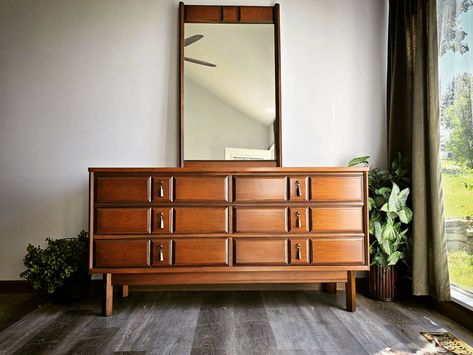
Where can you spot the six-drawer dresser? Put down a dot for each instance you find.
(169, 226)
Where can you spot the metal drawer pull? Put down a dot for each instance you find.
(298, 220)
(161, 221)
(298, 252)
(161, 189)
(298, 188)
(161, 255)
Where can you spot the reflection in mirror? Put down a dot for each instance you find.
(229, 92)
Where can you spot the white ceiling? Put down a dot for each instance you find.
(245, 74)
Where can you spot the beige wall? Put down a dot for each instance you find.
(94, 83)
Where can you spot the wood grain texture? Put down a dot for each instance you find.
(260, 188)
(337, 219)
(231, 14)
(122, 220)
(351, 291)
(256, 14)
(107, 302)
(261, 251)
(200, 252)
(193, 220)
(260, 220)
(201, 188)
(122, 253)
(270, 322)
(336, 188)
(337, 251)
(123, 189)
(203, 13)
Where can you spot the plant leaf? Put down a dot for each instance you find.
(363, 160)
(405, 215)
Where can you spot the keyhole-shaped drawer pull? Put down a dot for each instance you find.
(161, 189)
(298, 188)
(298, 251)
(161, 221)
(161, 254)
(298, 220)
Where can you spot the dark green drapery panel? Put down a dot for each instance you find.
(414, 130)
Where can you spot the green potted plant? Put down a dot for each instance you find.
(60, 269)
(389, 220)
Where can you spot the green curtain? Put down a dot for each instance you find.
(414, 129)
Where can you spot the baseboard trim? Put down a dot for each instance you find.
(15, 286)
(456, 312)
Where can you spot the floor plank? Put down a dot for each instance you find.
(218, 322)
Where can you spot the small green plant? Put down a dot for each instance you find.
(49, 269)
(389, 214)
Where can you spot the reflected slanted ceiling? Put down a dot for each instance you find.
(245, 74)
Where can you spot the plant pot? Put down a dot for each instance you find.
(385, 283)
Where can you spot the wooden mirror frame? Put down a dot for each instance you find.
(234, 15)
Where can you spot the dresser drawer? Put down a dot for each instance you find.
(260, 220)
(122, 220)
(201, 188)
(298, 188)
(193, 220)
(260, 188)
(201, 252)
(337, 219)
(336, 188)
(122, 253)
(260, 251)
(122, 189)
(337, 251)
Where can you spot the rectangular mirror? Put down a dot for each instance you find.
(229, 96)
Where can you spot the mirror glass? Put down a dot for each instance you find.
(229, 92)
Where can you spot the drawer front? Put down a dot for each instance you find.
(122, 253)
(122, 220)
(260, 188)
(336, 188)
(337, 251)
(298, 188)
(299, 251)
(161, 252)
(162, 220)
(201, 188)
(267, 251)
(201, 252)
(298, 220)
(162, 189)
(200, 220)
(122, 189)
(260, 220)
(337, 219)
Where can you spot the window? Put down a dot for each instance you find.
(455, 31)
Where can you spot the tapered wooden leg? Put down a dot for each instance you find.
(351, 291)
(329, 287)
(125, 291)
(107, 303)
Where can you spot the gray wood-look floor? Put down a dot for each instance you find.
(233, 322)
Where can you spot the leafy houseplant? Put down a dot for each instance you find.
(60, 268)
(389, 219)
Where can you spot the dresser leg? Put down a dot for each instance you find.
(107, 302)
(125, 291)
(351, 291)
(329, 287)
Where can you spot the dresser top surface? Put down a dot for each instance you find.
(285, 170)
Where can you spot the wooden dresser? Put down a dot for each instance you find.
(167, 226)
